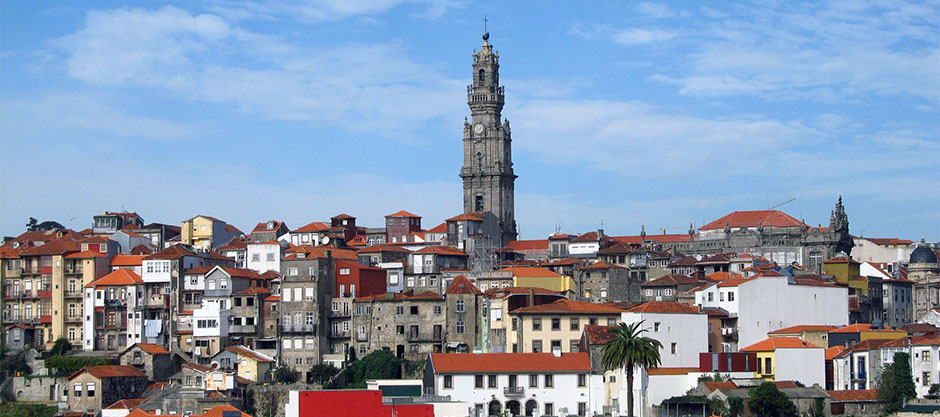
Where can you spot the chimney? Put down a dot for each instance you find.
(531, 297)
(556, 351)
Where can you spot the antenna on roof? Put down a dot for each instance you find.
(780, 203)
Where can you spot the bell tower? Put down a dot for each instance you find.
(488, 179)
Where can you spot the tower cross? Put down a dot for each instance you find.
(484, 24)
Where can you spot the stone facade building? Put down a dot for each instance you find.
(95, 387)
(307, 286)
(410, 326)
(603, 282)
(488, 178)
(464, 316)
(924, 270)
(153, 360)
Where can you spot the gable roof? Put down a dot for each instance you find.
(805, 328)
(462, 285)
(465, 217)
(510, 362)
(441, 228)
(312, 227)
(403, 213)
(239, 350)
(536, 244)
(867, 344)
(127, 260)
(774, 343)
(109, 371)
(767, 218)
(664, 307)
(383, 248)
(442, 250)
(564, 305)
(598, 335)
(150, 348)
(860, 327)
(601, 265)
(320, 252)
(529, 271)
(723, 276)
(672, 279)
(125, 404)
(122, 276)
(263, 226)
(172, 252)
(834, 351)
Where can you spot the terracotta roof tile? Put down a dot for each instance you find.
(441, 228)
(598, 335)
(465, 217)
(565, 305)
(313, 227)
(122, 276)
(128, 260)
(868, 344)
(320, 252)
(109, 371)
(510, 362)
(886, 241)
(723, 276)
(601, 265)
(254, 290)
(263, 226)
(383, 248)
(805, 328)
(671, 371)
(272, 298)
(172, 252)
(767, 218)
(88, 254)
(403, 213)
(126, 404)
(833, 352)
(860, 327)
(518, 245)
(664, 307)
(774, 343)
(672, 279)
(152, 349)
(462, 285)
(250, 353)
(442, 250)
(853, 395)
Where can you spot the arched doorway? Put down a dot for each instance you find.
(494, 408)
(531, 408)
(513, 407)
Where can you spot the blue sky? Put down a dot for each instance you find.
(623, 113)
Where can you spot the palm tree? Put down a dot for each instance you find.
(627, 350)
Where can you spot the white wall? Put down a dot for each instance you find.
(866, 251)
(263, 265)
(564, 394)
(156, 270)
(805, 365)
(769, 303)
(88, 315)
(688, 331)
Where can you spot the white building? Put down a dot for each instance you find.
(264, 256)
(311, 234)
(521, 383)
(764, 303)
(882, 249)
(110, 306)
(925, 364)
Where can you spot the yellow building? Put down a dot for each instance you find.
(542, 328)
(847, 271)
(860, 332)
(536, 277)
(251, 365)
(205, 233)
(814, 334)
(789, 359)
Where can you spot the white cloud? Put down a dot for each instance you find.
(328, 10)
(655, 10)
(638, 36)
(203, 57)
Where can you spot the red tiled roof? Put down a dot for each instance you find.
(320, 252)
(562, 236)
(773, 343)
(684, 261)
(55, 247)
(805, 328)
(234, 244)
(126, 404)
(723, 276)
(462, 285)
(528, 271)
(853, 395)
(841, 260)
(671, 371)
(403, 213)
(503, 292)
(586, 238)
(833, 352)
(263, 226)
(199, 270)
(465, 217)
(537, 244)
(565, 305)
(442, 250)
(383, 248)
(601, 265)
(254, 290)
(441, 228)
(313, 227)
(564, 262)
(664, 307)
(152, 349)
(109, 371)
(249, 353)
(219, 410)
(767, 218)
(672, 279)
(198, 367)
(231, 228)
(598, 335)
(510, 362)
(886, 241)
(128, 260)
(122, 276)
(735, 282)
(712, 386)
(88, 254)
(931, 339)
(869, 344)
(172, 252)
(860, 327)
(272, 298)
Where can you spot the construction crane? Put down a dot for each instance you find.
(773, 206)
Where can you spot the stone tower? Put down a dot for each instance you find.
(839, 230)
(488, 179)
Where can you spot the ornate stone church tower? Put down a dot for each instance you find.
(488, 179)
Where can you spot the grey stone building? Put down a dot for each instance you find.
(603, 282)
(426, 267)
(464, 315)
(924, 270)
(898, 302)
(153, 360)
(668, 287)
(246, 325)
(488, 178)
(411, 326)
(269, 230)
(95, 387)
(307, 286)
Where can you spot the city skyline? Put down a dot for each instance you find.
(298, 112)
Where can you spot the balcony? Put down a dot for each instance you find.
(362, 337)
(46, 319)
(339, 335)
(73, 319)
(513, 392)
(114, 303)
(729, 332)
(243, 328)
(73, 294)
(297, 328)
(73, 270)
(158, 301)
(339, 314)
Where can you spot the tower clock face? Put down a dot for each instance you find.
(478, 128)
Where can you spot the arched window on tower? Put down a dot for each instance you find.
(479, 203)
(482, 76)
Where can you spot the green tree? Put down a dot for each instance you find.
(735, 406)
(768, 401)
(895, 383)
(321, 373)
(380, 364)
(934, 390)
(628, 349)
(285, 375)
(61, 346)
(819, 408)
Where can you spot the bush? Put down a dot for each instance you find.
(18, 409)
(66, 365)
(321, 373)
(285, 375)
(61, 346)
(11, 364)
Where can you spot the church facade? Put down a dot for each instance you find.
(487, 173)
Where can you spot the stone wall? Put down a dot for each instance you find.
(37, 388)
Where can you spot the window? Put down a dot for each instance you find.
(344, 271)
(556, 323)
(925, 379)
(649, 293)
(582, 380)
(549, 409)
(460, 306)
(448, 381)
(721, 296)
(730, 295)
(582, 407)
(668, 292)
(556, 344)
(292, 272)
(925, 357)
(437, 309)
(549, 381)
(711, 296)
(478, 381)
(414, 310)
(674, 348)
(78, 390)
(256, 257)
(536, 346)
(611, 322)
(460, 327)
(574, 324)
(533, 381)
(90, 387)
(537, 324)
(656, 327)
(574, 346)
(491, 381)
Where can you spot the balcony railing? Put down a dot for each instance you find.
(73, 319)
(339, 335)
(114, 303)
(335, 314)
(297, 328)
(242, 328)
(514, 392)
(73, 293)
(362, 337)
(158, 301)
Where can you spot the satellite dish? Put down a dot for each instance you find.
(325, 240)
